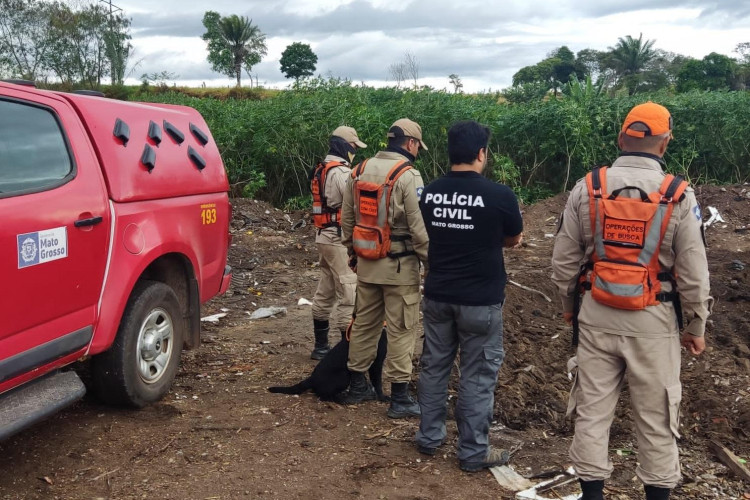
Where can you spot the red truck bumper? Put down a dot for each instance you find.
(226, 280)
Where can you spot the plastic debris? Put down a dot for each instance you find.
(510, 479)
(715, 217)
(214, 318)
(268, 312)
(304, 302)
(534, 493)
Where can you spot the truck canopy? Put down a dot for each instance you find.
(151, 151)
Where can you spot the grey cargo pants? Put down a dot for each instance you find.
(478, 332)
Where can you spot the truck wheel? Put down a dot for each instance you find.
(141, 364)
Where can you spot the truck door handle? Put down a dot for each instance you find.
(92, 221)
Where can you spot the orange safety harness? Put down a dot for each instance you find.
(323, 215)
(371, 236)
(624, 270)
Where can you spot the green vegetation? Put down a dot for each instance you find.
(82, 44)
(632, 66)
(539, 148)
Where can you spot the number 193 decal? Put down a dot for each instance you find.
(208, 213)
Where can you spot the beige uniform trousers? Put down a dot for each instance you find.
(398, 306)
(652, 369)
(334, 298)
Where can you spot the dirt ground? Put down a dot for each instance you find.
(220, 435)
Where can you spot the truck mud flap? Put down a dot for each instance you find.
(35, 401)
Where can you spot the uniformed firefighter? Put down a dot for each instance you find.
(469, 219)
(629, 259)
(383, 229)
(334, 298)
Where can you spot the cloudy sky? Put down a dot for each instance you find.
(483, 41)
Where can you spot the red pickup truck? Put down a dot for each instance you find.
(115, 228)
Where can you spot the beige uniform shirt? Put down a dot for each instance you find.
(682, 251)
(336, 181)
(404, 217)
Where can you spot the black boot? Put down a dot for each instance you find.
(656, 493)
(359, 390)
(321, 339)
(402, 404)
(592, 490)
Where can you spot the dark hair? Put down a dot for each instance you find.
(399, 140)
(465, 139)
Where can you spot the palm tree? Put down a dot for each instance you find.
(630, 57)
(245, 41)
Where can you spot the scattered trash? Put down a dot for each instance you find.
(729, 459)
(563, 479)
(299, 224)
(214, 318)
(624, 452)
(224, 309)
(510, 479)
(737, 265)
(268, 312)
(304, 302)
(715, 217)
(549, 235)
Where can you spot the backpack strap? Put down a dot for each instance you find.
(673, 188)
(596, 182)
(393, 175)
(357, 171)
(396, 172)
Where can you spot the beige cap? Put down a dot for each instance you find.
(349, 135)
(407, 128)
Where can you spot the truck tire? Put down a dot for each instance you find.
(140, 366)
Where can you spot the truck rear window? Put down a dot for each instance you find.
(33, 150)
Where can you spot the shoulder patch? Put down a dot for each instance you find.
(697, 212)
(419, 192)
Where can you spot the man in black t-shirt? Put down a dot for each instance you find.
(469, 219)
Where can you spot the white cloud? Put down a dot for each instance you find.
(485, 42)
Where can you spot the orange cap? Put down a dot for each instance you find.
(654, 119)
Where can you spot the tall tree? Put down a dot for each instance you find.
(455, 80)
(397, 72)
(743, 49)
(555, 70)
(713, 72)
(411, 63)
(298, 61)
(661, 71)
(234, 43)
(630, 57)
(24, 37)
(89, 44)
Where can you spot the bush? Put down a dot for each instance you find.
(538, 147)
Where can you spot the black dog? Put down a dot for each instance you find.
(330, 378)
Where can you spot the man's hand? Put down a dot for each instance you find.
(568, 317)
(695, 345)
(353, 263)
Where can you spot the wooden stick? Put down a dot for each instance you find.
(529, 290)
(105, 474)
(730, 460)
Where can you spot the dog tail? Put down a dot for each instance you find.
(293, 389)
